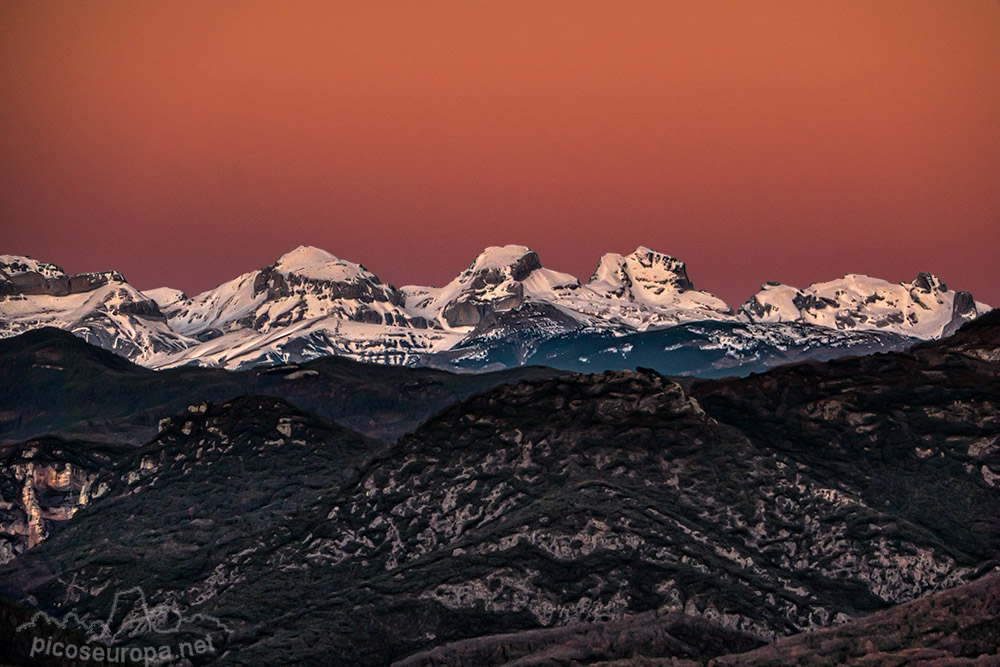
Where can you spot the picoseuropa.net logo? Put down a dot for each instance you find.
(133, 632)
(148, 655)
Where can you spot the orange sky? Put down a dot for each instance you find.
(185, 142)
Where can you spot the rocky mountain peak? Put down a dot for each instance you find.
(925, 308)
(645, 272)
(24, 276)
(928, 282)
(310, 303)
(493, 282)
(313, 271)
(496, 264)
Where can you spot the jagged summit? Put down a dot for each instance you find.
(929, 282)
(924, 308)
(645, 271)
(493, 282)
(100, 307)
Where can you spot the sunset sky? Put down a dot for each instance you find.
(183, 143)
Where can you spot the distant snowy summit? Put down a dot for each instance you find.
(500, 311)
(924, 308)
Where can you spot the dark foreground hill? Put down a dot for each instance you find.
(589, 518)
(53, 382)
(70, 410)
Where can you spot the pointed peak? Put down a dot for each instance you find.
(928, 282)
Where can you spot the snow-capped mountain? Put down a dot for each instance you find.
(305, 305)
(101, 308)
(924, 308)
(500, 279)
(644, 289)
(500, 311)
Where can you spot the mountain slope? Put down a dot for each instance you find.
(54, 382)
(101, 308)
(955, 627)
(806, 496)
(101, 406)
(709, 349)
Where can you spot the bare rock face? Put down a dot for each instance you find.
(282, 285)
(45, 481)
(493, 283)
(33, 283)
(469, 311)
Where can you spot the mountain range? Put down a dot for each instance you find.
(504, 310)
(841, 512)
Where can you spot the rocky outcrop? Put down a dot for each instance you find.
(42, 482)
(492, 284)
(31, 283)
(644, 271)
(470, 311)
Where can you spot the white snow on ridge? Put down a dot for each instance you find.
(311, 339)
(217, 308)
(923, 308)
(115, 316)
(497, 257)
(310, 303)
(13, 264)
(493, 277)
(637, 291)
(315, 264)
(165, 297)
(645, 289)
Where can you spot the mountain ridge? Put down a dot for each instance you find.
(310, 303)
